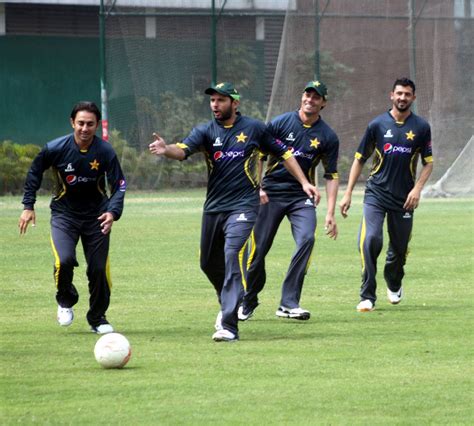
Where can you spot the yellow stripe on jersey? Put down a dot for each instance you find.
(181, 145)
(358, 156)
(428, 159)
(335, 175)
(287, 155)
(57, 262)
(413, 163)
(61, 187)
(250, 168)
(361, 243)
(241, 264)
(378, 160)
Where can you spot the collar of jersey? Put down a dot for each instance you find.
(237, 118)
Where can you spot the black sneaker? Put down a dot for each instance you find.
(102, 329)
(244, 313)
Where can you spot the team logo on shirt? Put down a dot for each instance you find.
(69, 168)
(229, 155)
(217, 142)
(388, 134)
(94, 165)
(314, 143)
(71, 179)
(241, 137)
(291, 137)
(410, 136)
(388, 148)
(298, 153)
(242, 218)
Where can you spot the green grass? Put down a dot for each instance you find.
(405, 364)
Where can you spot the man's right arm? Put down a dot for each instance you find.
(356, 170)
(33, 181)
(159, 147)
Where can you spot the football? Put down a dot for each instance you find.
(112, 350)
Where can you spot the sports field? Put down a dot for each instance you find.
(405, 364)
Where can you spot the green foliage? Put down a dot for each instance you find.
(15, 161)
(146, 171)
(332, 72)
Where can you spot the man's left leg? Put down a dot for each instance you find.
(237, 229)
(96, 251)
(303, 226)
(399, 225)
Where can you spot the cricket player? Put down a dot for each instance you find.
(85, 168)
(311, 141)
(398, 138)
(231, 144)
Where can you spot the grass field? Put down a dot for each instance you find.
(405, 364)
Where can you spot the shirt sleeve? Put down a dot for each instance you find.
(366, 146)
(117, 185)
(329, 159)
(34, 177)
(272, 145)
(426, 151)
(193, 142)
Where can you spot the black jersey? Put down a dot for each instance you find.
(81, 178)
(309, 145)
(232, 154)
(397, 146)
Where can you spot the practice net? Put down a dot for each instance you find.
(159, 61)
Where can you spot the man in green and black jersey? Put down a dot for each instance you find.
(85, 168)
(398, 138)
(231, 144)
(311, 141)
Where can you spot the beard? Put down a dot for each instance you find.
(224, 114)
(402, 108)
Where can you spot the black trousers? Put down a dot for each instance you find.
(223, 259)
(302, 217)
(65, 233)
(399, 226)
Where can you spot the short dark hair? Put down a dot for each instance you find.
(86, 106)
(403, 81)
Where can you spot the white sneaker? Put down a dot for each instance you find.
(395, 297)
(294, 313)
(365, 306)
(65, 316)
(102, 329)
(224, 335)
(218, 323)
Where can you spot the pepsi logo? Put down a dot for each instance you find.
(71, 179)
(218, 155)
(389, 148)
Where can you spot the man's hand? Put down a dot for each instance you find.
(413, 199)
(312, 192)
(263, 197)
(158, 146)
(106, 221)
(345, 205)
(330, 226)
(26, 217)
